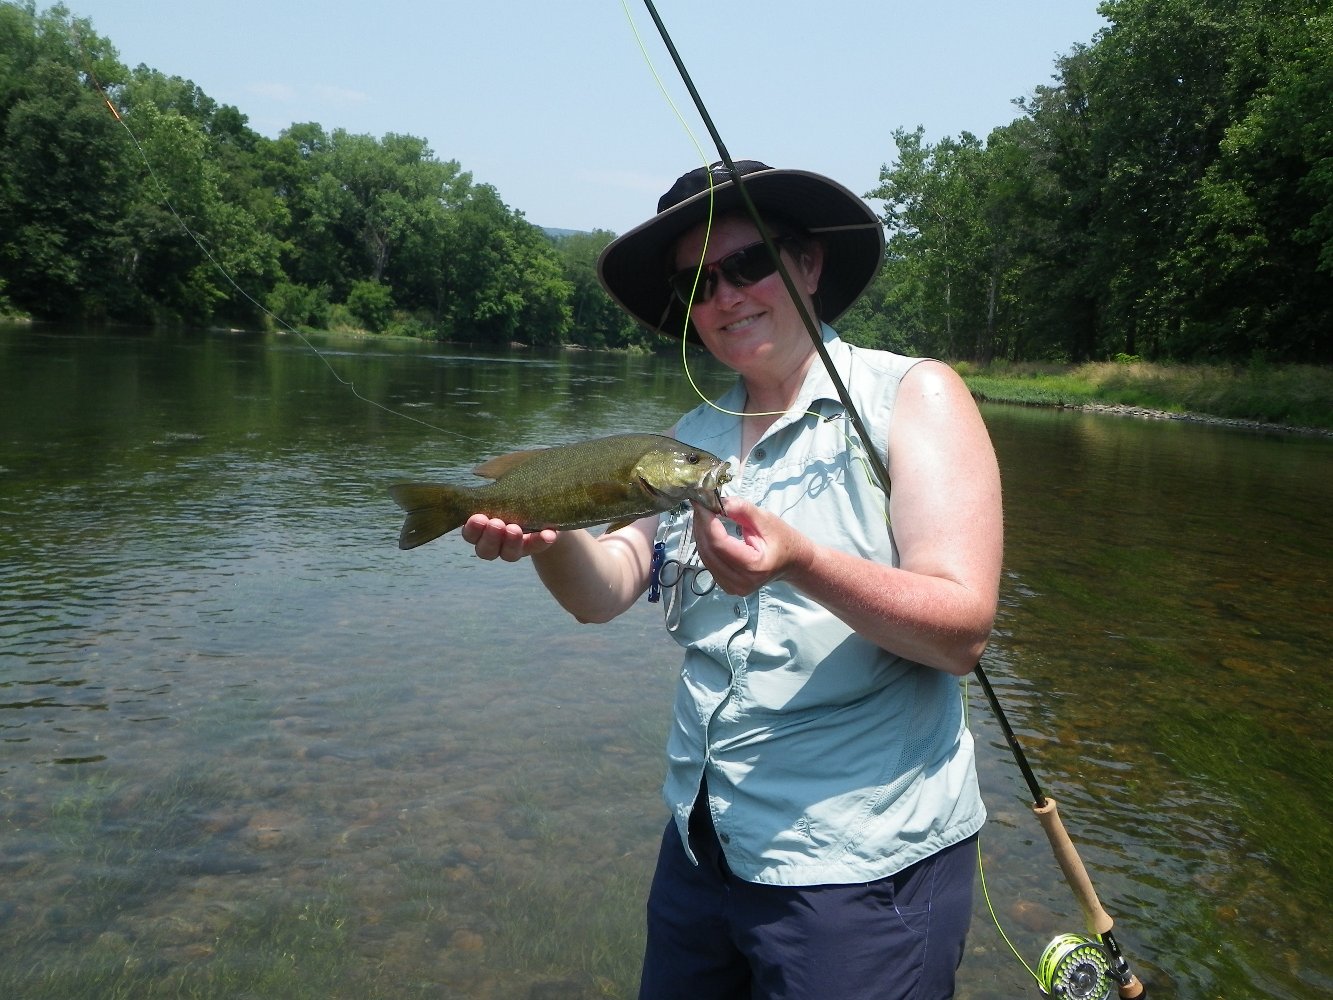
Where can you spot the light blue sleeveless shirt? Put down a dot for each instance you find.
(828, 759)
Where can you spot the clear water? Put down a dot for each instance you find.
(248, 748)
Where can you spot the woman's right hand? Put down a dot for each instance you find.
(494, 539)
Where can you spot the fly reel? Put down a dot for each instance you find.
(1074, 967)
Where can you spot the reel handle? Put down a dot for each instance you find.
(1098, 920)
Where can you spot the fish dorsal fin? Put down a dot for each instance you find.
(496, 467)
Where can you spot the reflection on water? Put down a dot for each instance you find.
(247, 746)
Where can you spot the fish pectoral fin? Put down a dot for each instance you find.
(496, 467)
(432, 510)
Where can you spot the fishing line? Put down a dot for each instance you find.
(1073, 966)
(872, 455)
(165, 199)
(981, 874)
(708, 226)
(859, 458)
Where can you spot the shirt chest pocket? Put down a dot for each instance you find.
(819, 485)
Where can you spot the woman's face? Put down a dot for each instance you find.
(755, 327)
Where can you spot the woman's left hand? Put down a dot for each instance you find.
(767, 548)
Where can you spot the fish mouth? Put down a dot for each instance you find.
(715, 477)
(709, 491)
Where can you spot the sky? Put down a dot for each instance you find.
(559, 106)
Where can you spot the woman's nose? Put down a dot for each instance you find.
(726, 293)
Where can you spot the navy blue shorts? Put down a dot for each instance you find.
(712, 936)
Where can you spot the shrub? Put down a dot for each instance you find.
(372, 304)
(299, 305)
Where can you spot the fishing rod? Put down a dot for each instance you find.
(1073, 966)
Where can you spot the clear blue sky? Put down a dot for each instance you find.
(556, 106)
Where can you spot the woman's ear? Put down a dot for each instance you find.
(810, 259)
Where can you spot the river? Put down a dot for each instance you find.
(250, 748)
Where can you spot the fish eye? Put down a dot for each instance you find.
(692, 458)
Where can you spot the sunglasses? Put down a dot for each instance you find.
(746, 266)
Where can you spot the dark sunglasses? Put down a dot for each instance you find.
(742, 267)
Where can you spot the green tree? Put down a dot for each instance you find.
(597, 320)
(379, 185)
(1168, 195)
(299, 306)
(232, 145)
(1163, 104)
(1259, 255)
(887, 317)
(379, 211)
(185, 247)
(416, 269)
(941, 246)
(505, 277)
(63, 181)
(1061, 291)
(1193, 143)
(315, 253)
(100, 184)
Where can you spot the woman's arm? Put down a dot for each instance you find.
(593, 577)
(938, 607)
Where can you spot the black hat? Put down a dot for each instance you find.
(634, 267)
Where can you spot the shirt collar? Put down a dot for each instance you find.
(816, 388)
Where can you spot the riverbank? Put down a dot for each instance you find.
(1258, 396)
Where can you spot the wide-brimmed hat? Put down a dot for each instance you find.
(634, 267)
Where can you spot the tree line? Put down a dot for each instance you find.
(159, 204)
(1169, 195)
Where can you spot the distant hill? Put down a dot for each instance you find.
(559, 234)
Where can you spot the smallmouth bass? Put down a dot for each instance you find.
(611, 480)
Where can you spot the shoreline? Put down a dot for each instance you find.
(1109, 409)
(1146, 413)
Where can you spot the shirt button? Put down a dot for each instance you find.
(760, 454)
(724, 838)
(741, 609)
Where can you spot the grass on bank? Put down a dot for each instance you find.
(1282, 395)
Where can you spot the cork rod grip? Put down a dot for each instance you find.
(1099, 921)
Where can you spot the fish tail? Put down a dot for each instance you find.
(432, 510)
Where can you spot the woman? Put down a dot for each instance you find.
(822, 787)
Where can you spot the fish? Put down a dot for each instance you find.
(608, 480)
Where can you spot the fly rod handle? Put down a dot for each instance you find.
(1099, 921)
